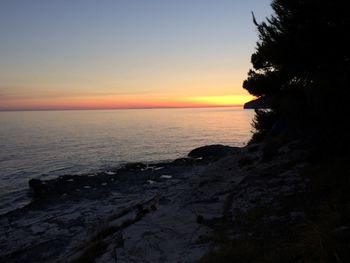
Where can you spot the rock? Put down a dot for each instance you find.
(157, 216)
(253, 148)
(259, 103)
(36, 186)
(183, 161)
(165, 176)
(246, 161)
(200, 219)
(134, 166)
(212, 151)
(342, 234)
(37, 229)
(297, 216)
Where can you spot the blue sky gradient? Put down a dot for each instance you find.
(164, 48)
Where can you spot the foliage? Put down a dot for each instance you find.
(262, 123)
(302, 60)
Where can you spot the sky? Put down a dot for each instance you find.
(90, 54)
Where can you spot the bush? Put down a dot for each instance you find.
(262, 124)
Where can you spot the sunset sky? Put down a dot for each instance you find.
(85, 54)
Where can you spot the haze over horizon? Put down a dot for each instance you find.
(126, 54)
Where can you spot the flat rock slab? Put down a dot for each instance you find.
(122, 217)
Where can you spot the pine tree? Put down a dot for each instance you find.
(302, 61)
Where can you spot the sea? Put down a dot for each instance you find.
(47, 144)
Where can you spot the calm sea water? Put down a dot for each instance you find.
(46, 144)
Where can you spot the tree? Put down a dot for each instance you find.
(302, 60)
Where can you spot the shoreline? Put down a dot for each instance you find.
(119, 172)
(126, 214)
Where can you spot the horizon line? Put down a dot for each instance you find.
(126, 108)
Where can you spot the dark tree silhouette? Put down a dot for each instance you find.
(302, 61)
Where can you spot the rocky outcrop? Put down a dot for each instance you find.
(259, 103)
(169, 212)
(212, 151)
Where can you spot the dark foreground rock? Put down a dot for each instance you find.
(260, 103)
(211, 152)
(168, 212)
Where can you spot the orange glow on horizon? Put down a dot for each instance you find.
(228, 100)
(124, 102)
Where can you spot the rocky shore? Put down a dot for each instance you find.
(166, 212)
